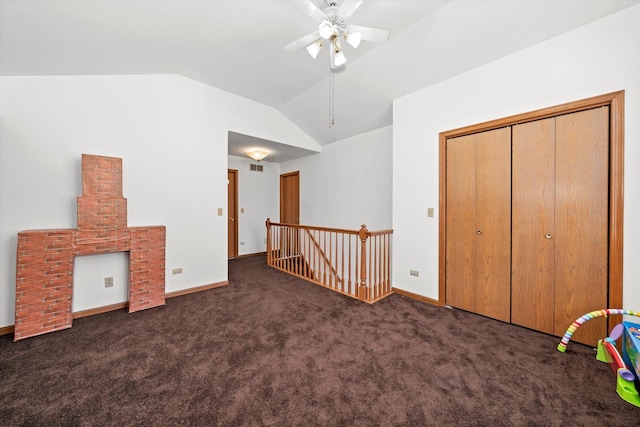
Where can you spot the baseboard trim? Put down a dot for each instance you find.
(416, 296)
(196, 289)
(100, 310)
(249, 255)
(5, 330)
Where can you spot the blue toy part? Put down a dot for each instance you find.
(628, 388)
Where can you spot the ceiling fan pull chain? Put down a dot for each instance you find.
(331, 100)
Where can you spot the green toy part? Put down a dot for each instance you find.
(627, 391)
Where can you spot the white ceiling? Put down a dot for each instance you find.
(240, 145)
(237, 46)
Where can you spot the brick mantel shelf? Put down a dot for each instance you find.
(44, 267)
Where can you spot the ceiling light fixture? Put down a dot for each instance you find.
(257, 155)
(315, 48)
(353, 39)
(339, 58)
(325, 29)
(333, 27)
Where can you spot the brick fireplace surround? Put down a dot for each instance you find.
(44, 267)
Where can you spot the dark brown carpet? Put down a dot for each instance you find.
(272, 350)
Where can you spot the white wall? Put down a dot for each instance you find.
(171, 133)
(258, 196)
(598, 58)
(90, 271)
(348, 184)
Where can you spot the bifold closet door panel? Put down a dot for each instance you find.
(493, 219)
(533, 226)
(582, 221)
(460, 223)
(478, 223)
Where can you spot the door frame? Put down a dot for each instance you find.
(615, 102)
(234, 183)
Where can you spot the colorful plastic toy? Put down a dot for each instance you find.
(627, 366)
(562, 347)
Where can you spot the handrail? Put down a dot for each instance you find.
(352, 262)
(312, 227)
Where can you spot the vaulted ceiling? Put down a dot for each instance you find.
(237, 46)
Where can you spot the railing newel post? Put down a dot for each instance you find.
(362, 290)
(269, 254)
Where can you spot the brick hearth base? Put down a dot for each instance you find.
(44, 270)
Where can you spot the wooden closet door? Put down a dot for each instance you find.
(460, 223)
(560, 223)
(478, 223)
(582, 221)
(493, 224)
(533, 244)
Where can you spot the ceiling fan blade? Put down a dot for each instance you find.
(370, 34)
(312, 10)
(348, 7)
(302, 42)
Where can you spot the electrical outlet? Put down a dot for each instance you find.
(265, 240)
(414, 273)
(108, 282)
(177, 270)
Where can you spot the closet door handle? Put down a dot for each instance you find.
(479, 232)
(547, 236)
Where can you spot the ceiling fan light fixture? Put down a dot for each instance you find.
(339, 58)
(314, 48)
(257, 155)
(354, 39)
(325, 29)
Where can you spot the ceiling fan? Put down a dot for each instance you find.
(333, 28)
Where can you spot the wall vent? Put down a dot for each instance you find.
(257, 168)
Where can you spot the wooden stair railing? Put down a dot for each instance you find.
(323, 263)
(352, 262)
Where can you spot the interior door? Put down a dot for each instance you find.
(290, 198)
(493, 222)
(232, 211)
(560, 223)
(460, 222)
(533, 227)
(290, 213)
(478, 219)
(582, 221)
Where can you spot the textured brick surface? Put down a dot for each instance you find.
(44, 266)
(147, 261)
(44, 272)
(101, 205)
